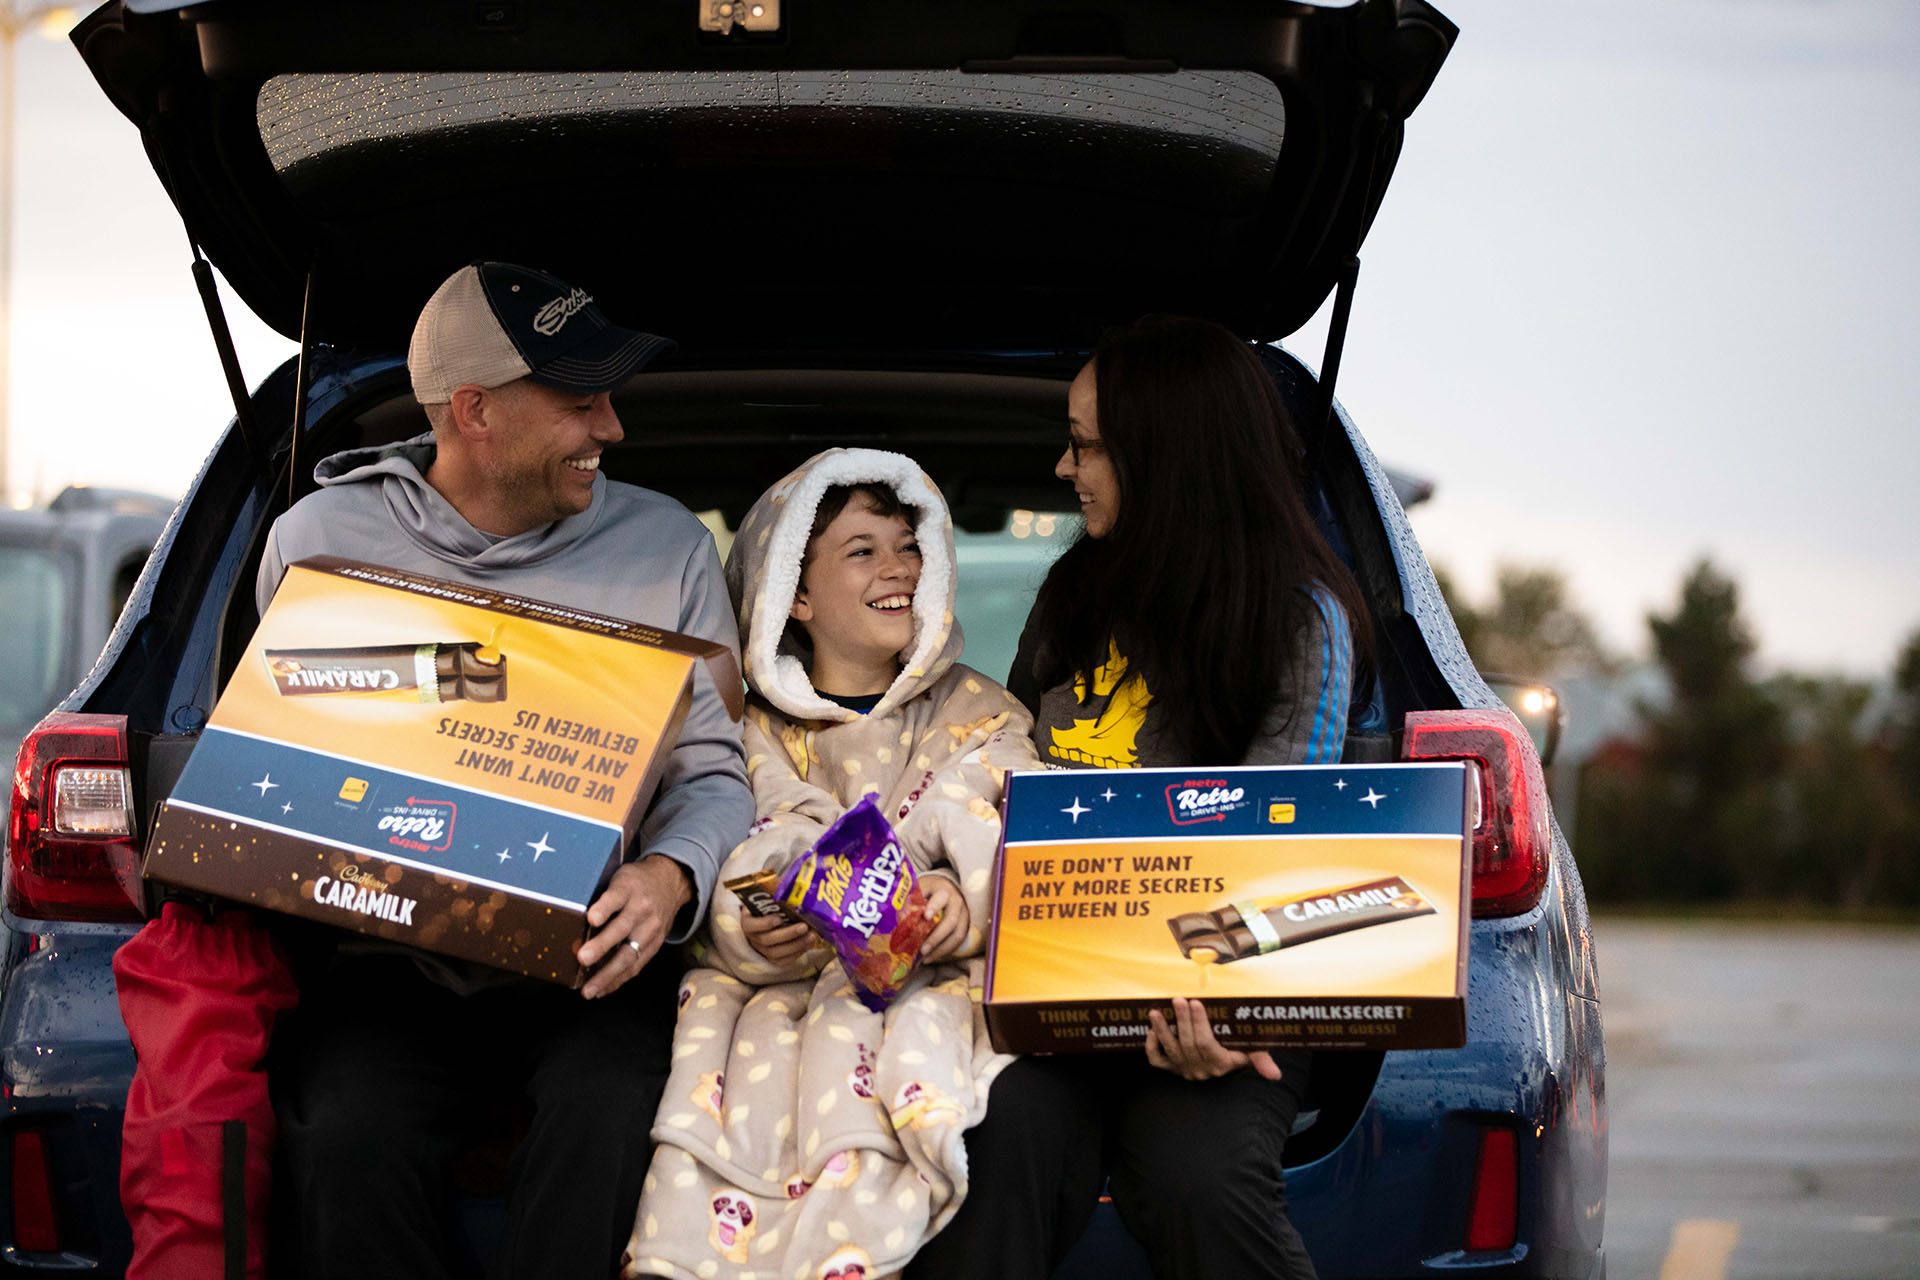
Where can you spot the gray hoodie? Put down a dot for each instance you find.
(633, 554)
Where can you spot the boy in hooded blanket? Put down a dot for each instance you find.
(802, 1136)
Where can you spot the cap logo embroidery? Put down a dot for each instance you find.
(547, 320)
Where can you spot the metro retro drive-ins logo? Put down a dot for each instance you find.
(1204, 800)
(425, 826)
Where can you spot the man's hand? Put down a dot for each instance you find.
(1187, 1046)
(630, 920)
(779, 940)
(949, 908)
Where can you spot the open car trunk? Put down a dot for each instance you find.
(987, 434)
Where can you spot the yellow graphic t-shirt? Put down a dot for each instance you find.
(1097, 728)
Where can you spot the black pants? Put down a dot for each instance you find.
(377, 1078)
(1194, 1169)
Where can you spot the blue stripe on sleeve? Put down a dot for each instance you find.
(1343, 680)
(1314, 749)
(1336, 676)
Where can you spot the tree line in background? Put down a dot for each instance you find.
(1786, 789)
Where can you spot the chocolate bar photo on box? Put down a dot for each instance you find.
(1255, 927)
(471, 671)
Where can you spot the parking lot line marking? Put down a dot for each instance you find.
(1699, 1249)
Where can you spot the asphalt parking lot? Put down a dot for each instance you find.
(1764, 1082)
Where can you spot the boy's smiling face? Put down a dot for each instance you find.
(856, 597)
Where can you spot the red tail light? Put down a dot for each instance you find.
(35, 1229)
(1514, 837)
(70, 846)
(1491, 1223)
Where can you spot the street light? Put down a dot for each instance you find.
(52, 21)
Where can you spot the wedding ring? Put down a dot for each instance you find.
(634, 945)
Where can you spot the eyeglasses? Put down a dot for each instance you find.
(1076, 446)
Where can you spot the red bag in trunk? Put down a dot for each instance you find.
(196, 1153)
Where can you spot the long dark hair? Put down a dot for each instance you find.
(1202, 581)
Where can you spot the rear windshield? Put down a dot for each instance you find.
(1236, 116)
(997, 576)
(35, 671)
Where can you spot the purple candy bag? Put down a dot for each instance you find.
(858, 890)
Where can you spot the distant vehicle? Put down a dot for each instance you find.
(1539, 707)
(66, 570)
(905, 234)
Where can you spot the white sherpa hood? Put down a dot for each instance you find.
(763, 573)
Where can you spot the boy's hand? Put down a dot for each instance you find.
(950, 913)
(781, 942)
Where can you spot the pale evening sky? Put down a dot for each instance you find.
(1645, 288)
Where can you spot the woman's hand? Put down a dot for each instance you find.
(950, 911)
(777, 940)
(1187, 1047)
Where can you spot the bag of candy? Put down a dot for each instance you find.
(858, 890)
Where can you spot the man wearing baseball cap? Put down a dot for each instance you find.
(391, 1046)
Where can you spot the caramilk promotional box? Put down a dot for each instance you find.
(431, 763)
(1317, 906)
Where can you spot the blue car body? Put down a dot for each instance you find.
(925, 314)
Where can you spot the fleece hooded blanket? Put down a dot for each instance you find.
(801, 1136)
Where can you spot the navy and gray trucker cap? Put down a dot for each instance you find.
(492, 322)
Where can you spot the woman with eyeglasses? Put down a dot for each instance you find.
(1200, 620)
